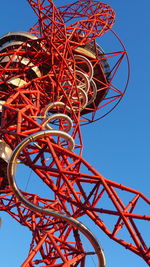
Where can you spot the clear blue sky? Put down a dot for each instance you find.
(118, 146)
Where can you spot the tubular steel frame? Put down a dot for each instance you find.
(49, 86)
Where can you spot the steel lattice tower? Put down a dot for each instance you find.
(53, 79)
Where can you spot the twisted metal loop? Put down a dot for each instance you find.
(11, 170)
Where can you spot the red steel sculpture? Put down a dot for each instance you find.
(53, 79)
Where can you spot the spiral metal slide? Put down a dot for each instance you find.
(83, 80)
(54, 79)
(84, 77)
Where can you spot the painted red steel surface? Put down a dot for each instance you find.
(78, 189)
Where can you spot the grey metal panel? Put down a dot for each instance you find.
(10, 44)
(16, 36)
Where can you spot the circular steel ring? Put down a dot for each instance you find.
(57, 116)
(81, 96)
(93, 96)
(85, 85)
(55, 104)
(87, 62)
